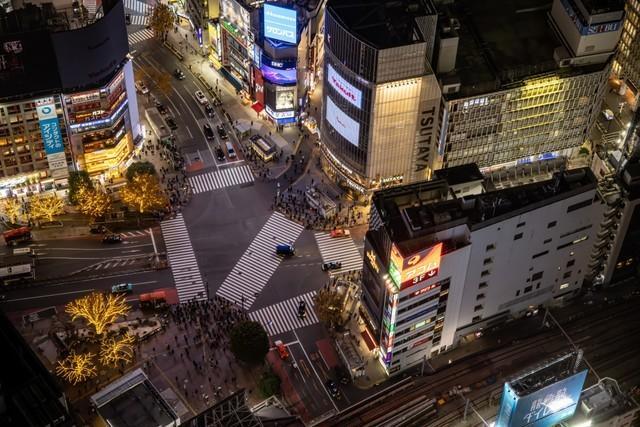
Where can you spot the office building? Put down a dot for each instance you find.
(381, 99)
(627, 61)
(439, 267)
(67, 97)
(521, 81)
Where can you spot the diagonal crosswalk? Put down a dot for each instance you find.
(137, 6)
(283, 316)
(182, 260)
(258, 263)
(140, 36)
(116, 263)
(219, 179)
(340, 249)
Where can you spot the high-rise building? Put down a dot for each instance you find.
(439, 267)
(381, 99)
(522, 81)
(627, 61)
(67, 97)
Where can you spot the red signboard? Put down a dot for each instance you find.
(410, 270)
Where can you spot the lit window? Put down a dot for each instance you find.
(564, 285)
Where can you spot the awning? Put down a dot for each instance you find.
(257, 107)
(368, 339)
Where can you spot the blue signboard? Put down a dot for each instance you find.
(50, 128)
(542, 408)
(280, 23)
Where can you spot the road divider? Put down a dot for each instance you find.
(173, 50)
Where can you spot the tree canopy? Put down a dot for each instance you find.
(140, 168)
(249, 342)
(78, 180)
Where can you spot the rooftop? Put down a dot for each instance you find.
(602, 402)
(420, 209)
(382, 23)
(545, 374)
(460, 174)
(503, 43)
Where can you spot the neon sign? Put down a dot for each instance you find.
(411, 270)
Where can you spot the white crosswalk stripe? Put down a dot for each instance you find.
(91, 7)
(137, 233)
(137, 6)
(340, 249)
(140, 36)
(139, 19)
(219, 179)
(182, 260)
(283, 316)
(115, 263)
(258, 263)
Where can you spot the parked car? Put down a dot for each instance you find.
(112, 238)
(222, 133)
(122, 288)
(331, 265)
(282, 349)
(332, 388)
(201, 98)
(162, 109)
(208, 132)
(209, 110)
(171, 123)
(220, 154)
(340, 232)
(98, 229)
(178, 74)
(141, 87)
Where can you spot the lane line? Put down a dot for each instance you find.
(52, 295)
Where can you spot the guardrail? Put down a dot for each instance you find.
(173, 50)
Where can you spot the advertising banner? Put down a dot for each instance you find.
(279, 76)
(411, 270)
(343, 87)
(280, 23)
(542, 408)
(280, 114)
(343, 124)
(49, 126)
(285, 99)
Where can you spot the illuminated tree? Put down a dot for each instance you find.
(140, 167)
(162, 20)
(46, 206)
(93, 202)
(78, 180)
(143, 193)
(115, 350)
(12, 208)
(76, 368)
(328, 307)
(98, 310)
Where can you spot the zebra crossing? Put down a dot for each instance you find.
(182, 260)
(115, 263)
(137, 233)
(139, 20)
(283, 316)
(219, 179)
(137, 6)
(140, 36)
(340, 249)
(258, 263)
(91, 7)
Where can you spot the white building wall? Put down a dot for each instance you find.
(132, 97)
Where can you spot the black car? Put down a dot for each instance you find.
(127, 18)
(112, 238)
(162, 109)
(332, 265)
(332, 388)
(178, 74)
(222, 133)
(209, 110)
(220, 154)
(171, 123)
(98, 229)
(208, 132)
(302, 309)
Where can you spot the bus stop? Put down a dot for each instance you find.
(265, 149)
(158, 125)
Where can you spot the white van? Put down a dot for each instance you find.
(230, 150)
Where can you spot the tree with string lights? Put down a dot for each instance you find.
(93, 202)
(11, 208)
(46, 206)
(77, 368)
(114, 350)
(143, 193)
(98, 310)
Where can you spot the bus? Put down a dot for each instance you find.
(17, 269)
(157, 123)
(264, 149)
(14, 236)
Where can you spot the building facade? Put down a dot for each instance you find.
(440, 267)
(627, 62)
(381, 100)
(56, 116)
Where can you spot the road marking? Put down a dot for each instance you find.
(52, 295)
(316, 372)
(221, 178)
(283, 316)
(341, 249)
(106, 249)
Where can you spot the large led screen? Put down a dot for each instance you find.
(279, 77)
(343, 124)
(543, 408)
(285, 99)
(280, 23)
(343, 87)
(413, 269)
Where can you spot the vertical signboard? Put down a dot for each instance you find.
(51, 135)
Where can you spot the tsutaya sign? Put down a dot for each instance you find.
(343, 87)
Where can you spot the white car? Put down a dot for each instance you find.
(201, 98)
(141, 87)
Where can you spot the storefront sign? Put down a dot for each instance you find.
(343, 87)
(280, 23)
(280, 114)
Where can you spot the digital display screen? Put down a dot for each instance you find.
(343, 87)
(285, 99)
(411, 270)
(343, 124)
(280, 23)
(543, 408)
(277, 76)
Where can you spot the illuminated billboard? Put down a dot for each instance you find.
(542, 408)
(343, 124)
(343, 87)
(410, 270)
(285, 99)
(280, 23)
(279, 76)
